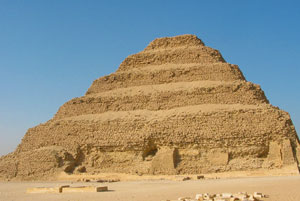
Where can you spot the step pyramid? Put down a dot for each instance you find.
(176, 107)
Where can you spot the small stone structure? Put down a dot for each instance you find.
(85, 189)
(67, 189)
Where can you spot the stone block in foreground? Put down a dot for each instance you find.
(83, 189)
(67, 189)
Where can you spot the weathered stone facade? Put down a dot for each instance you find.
(175, 108)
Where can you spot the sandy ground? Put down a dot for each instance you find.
(285, 188)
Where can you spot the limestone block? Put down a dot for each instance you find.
(226, 195)
(287, 153)
(83, 189)
(43, 190)
(218, 157)
(198, 196)
(240, 196)
(274, 155)
(258, 195)
(47, 189)
(164, 161)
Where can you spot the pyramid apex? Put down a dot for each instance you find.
(175, 41)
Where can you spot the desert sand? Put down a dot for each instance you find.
(284, 188)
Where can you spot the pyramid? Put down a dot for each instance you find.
(176, 107)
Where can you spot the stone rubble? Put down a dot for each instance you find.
(241, 196)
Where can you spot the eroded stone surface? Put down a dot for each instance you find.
(164, 161)
(174, 108)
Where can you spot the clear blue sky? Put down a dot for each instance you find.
(51, 51)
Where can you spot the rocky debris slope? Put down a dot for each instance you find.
(174, 108)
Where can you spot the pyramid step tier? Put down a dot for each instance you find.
(210, 126)
(165, 96)
(167, 73)
(189, 54)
